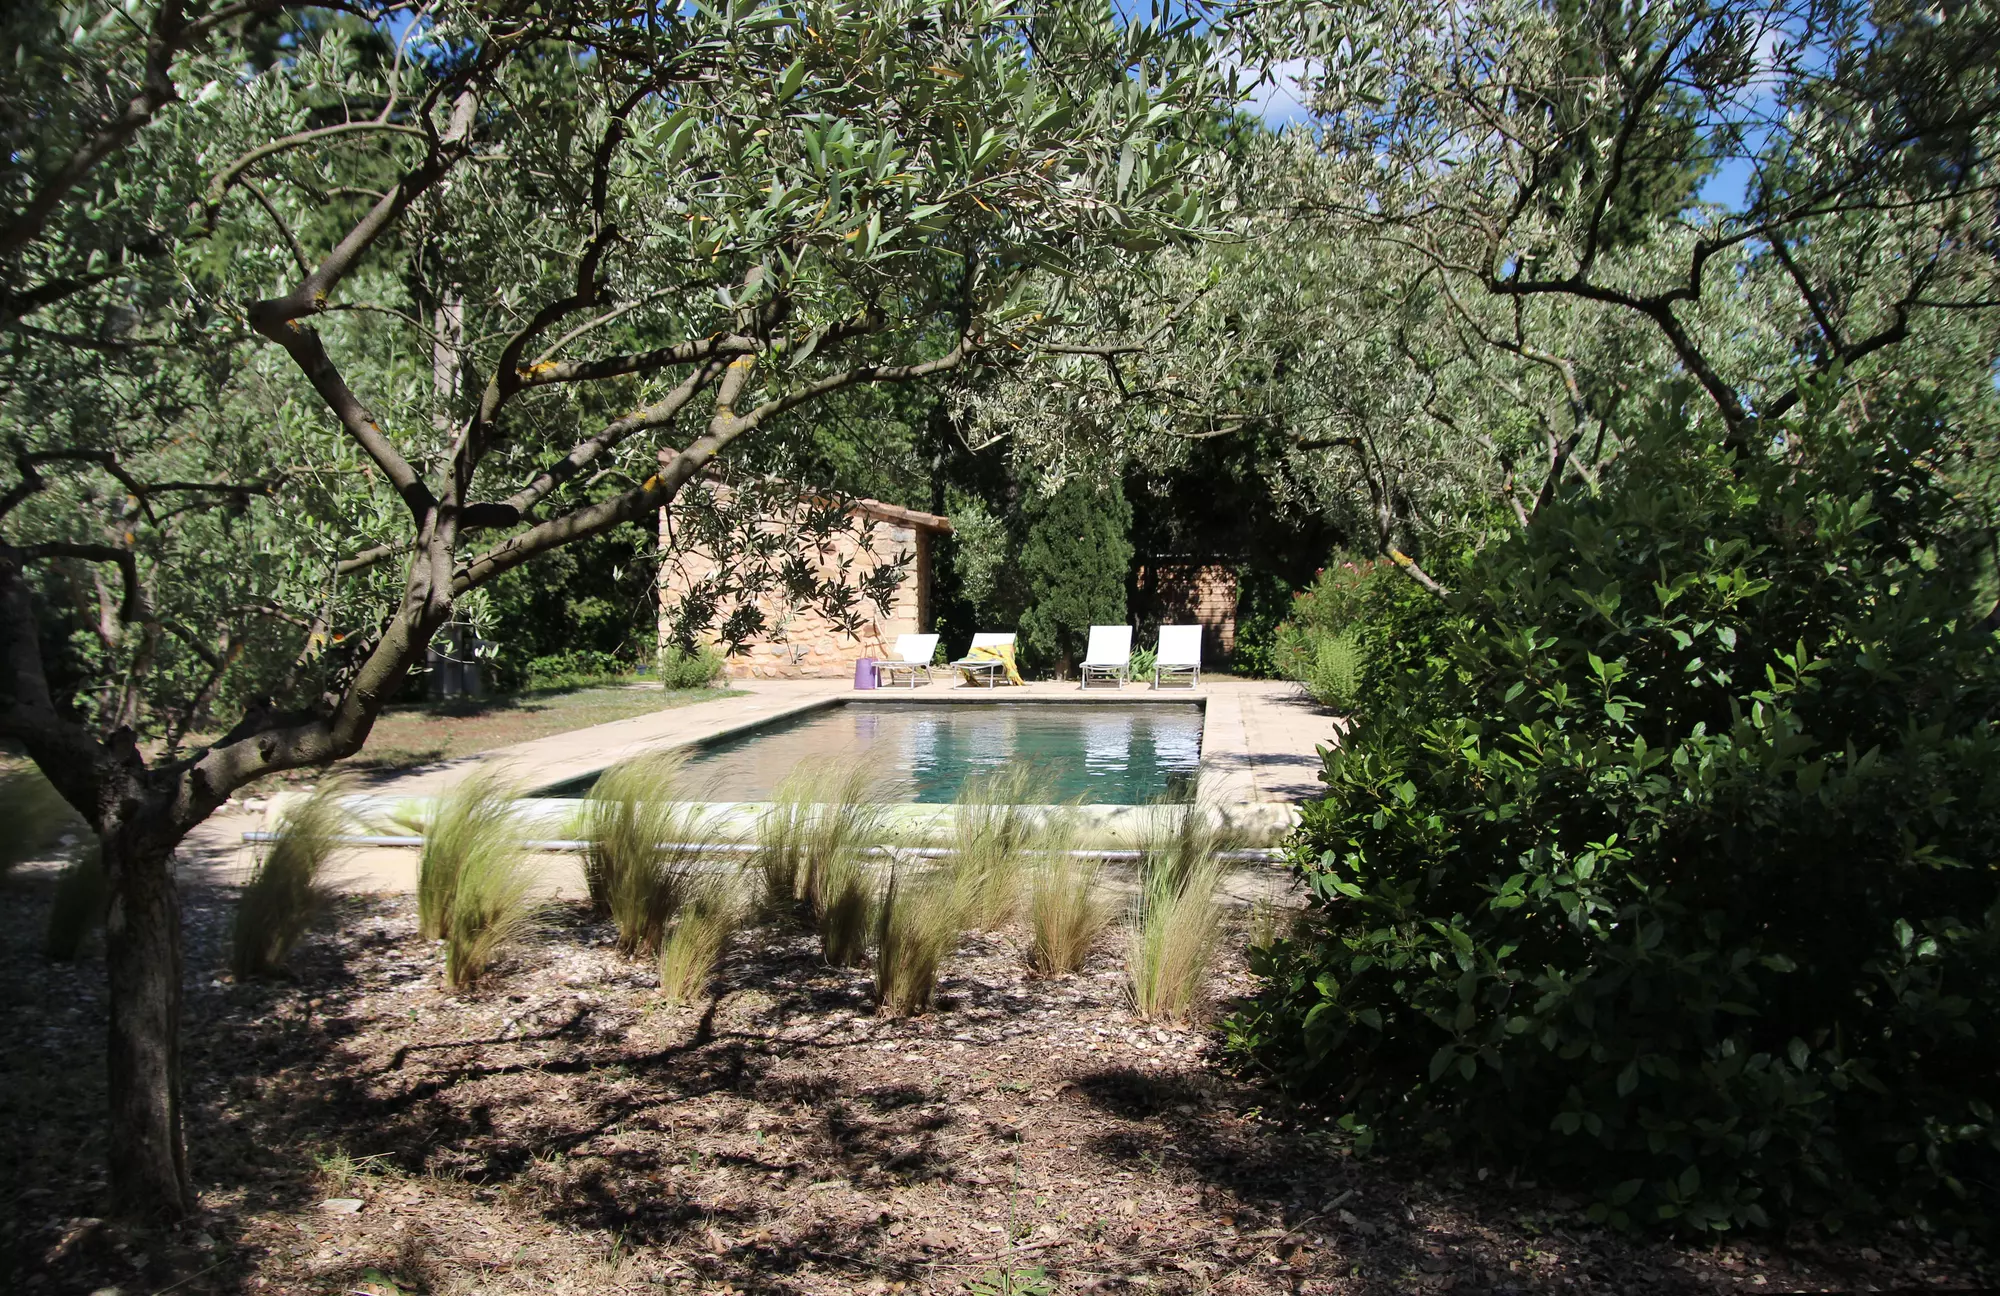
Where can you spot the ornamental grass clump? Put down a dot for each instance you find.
(921, 919)
(697, 938)
(996, 827)
(1067, 910)
(474, 884)
(639, 855)
(812, 850)
(287, 892)
(1176, 923)
(845, 909)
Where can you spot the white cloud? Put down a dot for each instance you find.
(1281, 98)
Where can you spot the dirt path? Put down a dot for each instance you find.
(562, 1132)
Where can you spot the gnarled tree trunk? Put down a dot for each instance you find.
(142, 943)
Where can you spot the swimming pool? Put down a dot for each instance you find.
(1105, 753)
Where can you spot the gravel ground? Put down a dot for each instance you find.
(561, 1131)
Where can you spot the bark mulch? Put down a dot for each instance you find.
(560, 1131)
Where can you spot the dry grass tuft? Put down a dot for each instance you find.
(1176, 922)
(996, 826)
(693, 947)
(474, 885)
(811, 855)
(922, 918)
(845, 909)
(638, 861)
(1066, 910)
(285, 893)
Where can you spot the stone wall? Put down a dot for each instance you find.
(803, 644)
(1190, 593)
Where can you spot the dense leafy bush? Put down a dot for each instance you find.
(572, 669)
(1670, 868)
(680, 669)
(1355, 613)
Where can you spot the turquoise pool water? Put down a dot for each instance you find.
(1103, 753)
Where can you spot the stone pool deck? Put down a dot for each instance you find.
(1259, 749)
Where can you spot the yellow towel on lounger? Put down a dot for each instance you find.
(1004, 654)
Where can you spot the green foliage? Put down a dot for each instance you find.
(1670, 870)
(287, 892)
(680, 669)
(1355, 614)
(576, 668)
(82, 891)
(1075, 560)
(576, 616)
(1262, 603)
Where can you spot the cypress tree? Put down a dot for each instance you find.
(1075, 559)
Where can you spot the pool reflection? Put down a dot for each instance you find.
(1103, 753)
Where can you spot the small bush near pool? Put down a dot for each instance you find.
(1670, 870)
(680, 669)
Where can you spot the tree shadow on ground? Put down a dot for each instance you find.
(558, 1128)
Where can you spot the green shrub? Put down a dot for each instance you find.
(1329, 665)
(576, 668)
(1074, 561)
(286, 892)
(680, 669)
(1360, 620)
(1671, 872)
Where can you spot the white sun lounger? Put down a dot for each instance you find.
(911, 662)
(1109, 657)
(990, 670)
(1179, 658)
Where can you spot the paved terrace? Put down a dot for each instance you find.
(1259, 748)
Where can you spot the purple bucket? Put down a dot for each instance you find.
(864, 673)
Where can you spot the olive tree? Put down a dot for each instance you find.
(330, 319)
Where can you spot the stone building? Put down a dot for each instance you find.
(802, 643)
